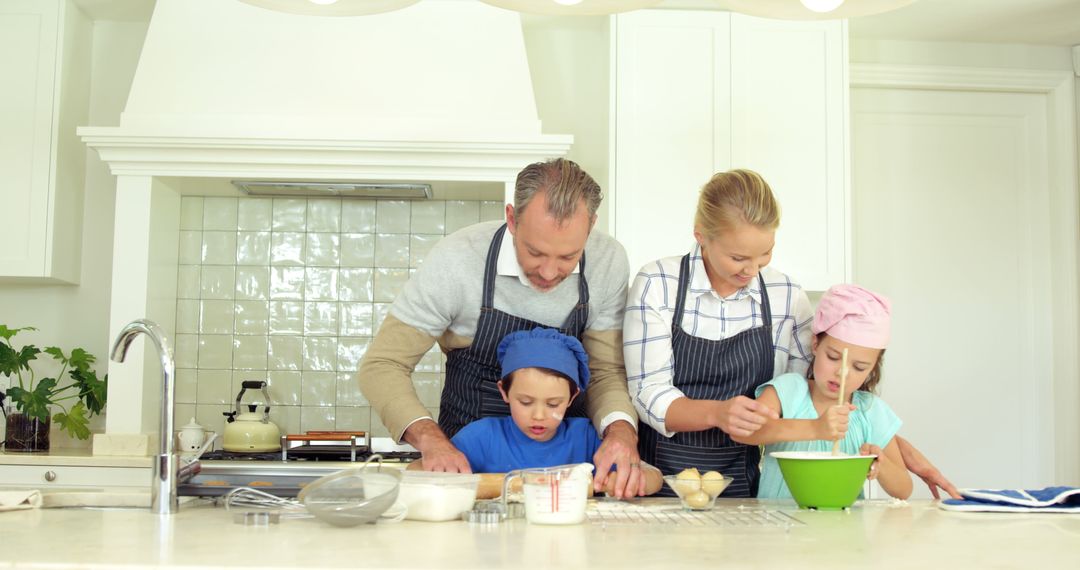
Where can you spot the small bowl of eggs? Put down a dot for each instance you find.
(697, 491)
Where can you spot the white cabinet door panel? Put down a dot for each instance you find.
(28, 38)
(672, 113)
(698, 93)
(788, 122)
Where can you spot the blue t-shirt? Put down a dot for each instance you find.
(497, 445)
(872, 421)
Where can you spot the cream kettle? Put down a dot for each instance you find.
(250, 431)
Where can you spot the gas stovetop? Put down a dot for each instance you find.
(284, 473)
(302, 454)
(324, 446)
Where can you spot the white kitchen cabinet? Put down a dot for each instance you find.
(53, 476)
(45, 66)
(697, 93)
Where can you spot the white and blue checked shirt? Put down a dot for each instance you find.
(650, 309)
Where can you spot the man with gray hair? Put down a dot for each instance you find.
(543, 267)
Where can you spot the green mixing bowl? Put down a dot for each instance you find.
(820, 480)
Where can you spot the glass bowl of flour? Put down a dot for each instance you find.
(432, 496)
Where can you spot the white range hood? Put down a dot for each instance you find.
(436, 92)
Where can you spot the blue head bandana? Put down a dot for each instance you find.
(544, 348)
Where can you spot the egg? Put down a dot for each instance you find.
(712, 482)
(688, 481)
(697, 500)
(689, 474)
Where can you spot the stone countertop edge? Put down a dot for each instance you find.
(915, 534)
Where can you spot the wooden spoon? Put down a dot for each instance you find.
(840, 397)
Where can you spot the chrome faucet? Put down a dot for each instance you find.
(163, 497)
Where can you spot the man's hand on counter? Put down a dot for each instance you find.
(619, 448)
(435, 448)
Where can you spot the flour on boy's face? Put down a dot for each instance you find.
(538, 402)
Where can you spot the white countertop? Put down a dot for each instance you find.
(873, 535)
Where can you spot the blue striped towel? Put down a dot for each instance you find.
(1048, 500)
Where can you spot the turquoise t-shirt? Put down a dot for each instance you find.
(497, 445)
(872, 421)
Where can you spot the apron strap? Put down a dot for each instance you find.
(680, 295)
(684, 284)
(583, 287)
(766, 309)
(491, 267)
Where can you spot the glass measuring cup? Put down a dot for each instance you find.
(554, 495)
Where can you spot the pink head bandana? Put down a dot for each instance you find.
(854, 315)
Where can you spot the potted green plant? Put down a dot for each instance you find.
(75, 389)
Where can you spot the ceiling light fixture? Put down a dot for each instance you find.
(573, 7)
(815, 5)
(332, 7)
(812, 9)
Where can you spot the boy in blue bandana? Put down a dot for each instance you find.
(543, 371)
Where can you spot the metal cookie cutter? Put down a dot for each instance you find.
(256, 518)
(495, 511)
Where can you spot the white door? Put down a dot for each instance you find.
(951, 220)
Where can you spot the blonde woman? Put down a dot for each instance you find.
(702, 331)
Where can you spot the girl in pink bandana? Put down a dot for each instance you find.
(853, 318)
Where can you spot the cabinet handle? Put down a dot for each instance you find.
(50, 476)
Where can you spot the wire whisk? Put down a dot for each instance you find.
(247, 497)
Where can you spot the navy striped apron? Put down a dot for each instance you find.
(470, 391)
(713, 370)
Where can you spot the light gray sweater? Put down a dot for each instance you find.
(441, 302)
(445, 292)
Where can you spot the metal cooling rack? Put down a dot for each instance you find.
(613, 513)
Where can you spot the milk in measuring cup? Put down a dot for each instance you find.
(557, 495)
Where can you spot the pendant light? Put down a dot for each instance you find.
(573, 7)
(812, 9)
(822, 6)
(332, 7)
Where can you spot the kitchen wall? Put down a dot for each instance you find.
(569, 63)
(567, 55)
(1012, 56)
(1005, 248)
(65, 315)
(291, 291)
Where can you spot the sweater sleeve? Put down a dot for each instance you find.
(608, 399)
(385, 374)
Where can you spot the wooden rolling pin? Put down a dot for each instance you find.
(490, 486)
